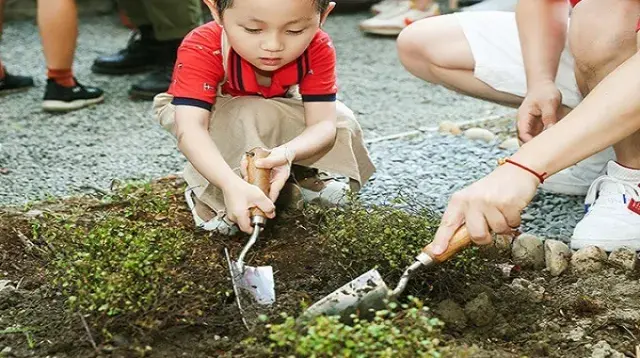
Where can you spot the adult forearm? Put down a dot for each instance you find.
(610, 113)
(542, 27)
(313, 140)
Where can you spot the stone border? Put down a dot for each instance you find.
(529, 251)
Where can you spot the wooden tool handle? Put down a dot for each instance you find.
(461, 239)
(258, 177)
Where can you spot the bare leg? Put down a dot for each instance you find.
(58, 23)
(437, 51)
(600, 47)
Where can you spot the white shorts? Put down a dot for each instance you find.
(495, 45)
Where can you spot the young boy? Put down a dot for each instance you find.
(269, 70)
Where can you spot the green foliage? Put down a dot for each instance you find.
(115, 266)
(381, 236)
(409, 332)
(141, 198)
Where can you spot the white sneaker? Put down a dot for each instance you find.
(391, 23)
(577, 179)
(613, 211)
(324, 189)
(493, 5)
(386, 6)
(216, 224)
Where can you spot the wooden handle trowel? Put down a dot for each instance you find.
(369, 292)
(257, 281)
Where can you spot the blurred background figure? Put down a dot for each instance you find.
(391, 16)
(493, 5)
(58, 25)
(10, 83)
(159, 27)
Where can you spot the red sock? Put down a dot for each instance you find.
(62, 77)
(2, 74)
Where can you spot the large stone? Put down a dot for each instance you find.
(480, 310)
(528, 251)
(624, 257)
(588, 260)
(452, 314)
(480, 134)
(503, 242)
(557, 256)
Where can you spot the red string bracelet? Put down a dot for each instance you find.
(540, 177)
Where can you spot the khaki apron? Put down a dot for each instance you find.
(238, 124)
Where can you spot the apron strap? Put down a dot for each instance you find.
(226, 51)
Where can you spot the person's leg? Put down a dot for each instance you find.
(602, 36)
(478, 54)
(58, 24)
(171, 21)
(140, 55)
(11, 83)
(436, 50)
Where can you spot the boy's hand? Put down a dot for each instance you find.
(279, 161)
(240, 197)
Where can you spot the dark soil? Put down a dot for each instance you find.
(568, 320)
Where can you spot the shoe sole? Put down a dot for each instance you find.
(121, 71)
(62, 106)
(577, 244)
(14, 90)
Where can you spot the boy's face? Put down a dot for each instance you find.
(270, 33)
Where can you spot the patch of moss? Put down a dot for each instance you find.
(116, 265)
(400, 331)
(141, 199)
(380, 236)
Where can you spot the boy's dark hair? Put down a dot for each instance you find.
(222, 5)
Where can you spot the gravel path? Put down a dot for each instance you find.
(429, 168)
(62, 154)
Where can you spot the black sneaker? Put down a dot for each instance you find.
(58, 98)
(157, 82)
(140, 55)
(12, 83)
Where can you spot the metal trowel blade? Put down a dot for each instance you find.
(364, 293)
(257, 281)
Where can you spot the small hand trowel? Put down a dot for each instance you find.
(258, 282)
(369, 293)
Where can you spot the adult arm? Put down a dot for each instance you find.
(610, 113)
(542, 28)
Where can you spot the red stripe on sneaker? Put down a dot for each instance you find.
(634, 206)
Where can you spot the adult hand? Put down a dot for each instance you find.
(539, 110)
(279, 161)
(240, 197)
(492, 204)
